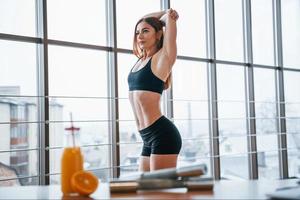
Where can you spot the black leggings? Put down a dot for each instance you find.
(161, 137)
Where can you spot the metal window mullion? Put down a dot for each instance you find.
(279, 81)
(113, 104)
(43, 91)
(168, 105)
(249, 91)
(78, 45)
(165, 4)
(168, 94)
(20, 38)
(212, 90)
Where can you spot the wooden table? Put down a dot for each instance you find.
(252, 189)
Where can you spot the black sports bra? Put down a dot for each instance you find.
(144, 79)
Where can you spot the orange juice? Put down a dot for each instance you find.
(71, 162)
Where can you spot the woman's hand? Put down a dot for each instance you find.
(173, 14)
(169, 13)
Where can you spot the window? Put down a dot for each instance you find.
(232, 122)
(291, 33)
(18, 108)
(18, 60)
(74, 76)
(292, 99)
(78, 86)
(262, 32)
(229, 30)
(191, 111)
(17, 17)
(77, 21)
(266, 127)
(191, 32)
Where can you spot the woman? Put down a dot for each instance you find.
(156, 50)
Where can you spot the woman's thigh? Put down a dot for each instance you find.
(161, 161)
(144, 163)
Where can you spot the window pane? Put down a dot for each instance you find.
(231, 110)
(129, 157)
(129, 132)
(232, 145)
(195, 151)
(265, 101)
(18, 76)
(17, 17)
(267, 156)
(264, 85)
(30, 181)
(77, 21)
(231, 97)
(18, 135)
(126, 112)
(19, 164)
(291, 33)
(18, 109)
(191, 41)
(234, 167)
(266, 123)
(128, 13)
(90, 133)
(80, 73)
(232, 126)
(229, 30)
(186, 111)
(232, 123)
(190, 107)
(262, 32)
(265, 108)
(77, 72)
(82, 109)
(231, 86)
(189, 80)
(292, 97)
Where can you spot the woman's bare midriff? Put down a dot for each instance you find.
(145, 106)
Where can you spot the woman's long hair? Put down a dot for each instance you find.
(158, 26)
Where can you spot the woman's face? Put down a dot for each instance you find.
(145, 36)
